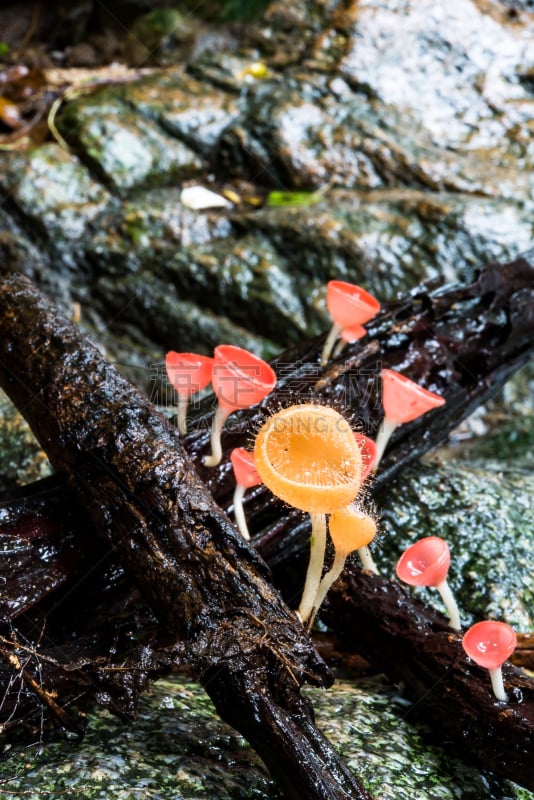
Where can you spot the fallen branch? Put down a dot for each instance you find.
(208, 590)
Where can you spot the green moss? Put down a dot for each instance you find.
(178, 748)
(242, 10)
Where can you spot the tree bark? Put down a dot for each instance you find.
(209, 591)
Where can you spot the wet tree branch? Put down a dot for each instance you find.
(208, 590)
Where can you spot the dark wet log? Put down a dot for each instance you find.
(209, 591)
(415, 647)
(45, 542)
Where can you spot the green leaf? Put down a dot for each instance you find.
(293, 198)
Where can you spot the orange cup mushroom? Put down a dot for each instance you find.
(246, 476)
(188, 373)
(426, 563)
(308, 457)
(350, 307)
(403, 401)
(240, 380)
(350, 529)
(489, 644)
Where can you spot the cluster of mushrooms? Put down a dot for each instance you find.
(308, 456)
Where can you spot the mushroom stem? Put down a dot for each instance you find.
(367, 559)
(327, 582)
(382, 438)
(239, 513)
(450, 604)
(219, 418)
(330, 341)
(181, 421)
(497, 684)
(315, 566)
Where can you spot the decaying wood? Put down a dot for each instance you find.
(208, 589)
(462, 342)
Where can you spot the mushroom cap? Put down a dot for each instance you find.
(353, 333)
(368, 452)
(425, 563)
(404, 400)
(351, 529)
(350, 305)
(244, 467)
(308, 457)
(188, 372)
(240, 379)
(490, 643)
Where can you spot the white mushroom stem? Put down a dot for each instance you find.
(367, 559)
(338, 348)
(315, 566)
(183, 405)
(331, 339)
(328, 580)
(239, 512)
(219, 418)
(382, 438)
(497, 684)
(450, 604)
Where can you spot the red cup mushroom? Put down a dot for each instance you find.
(188, 373)
(240, 379)
(426, 563)
(489, 644)
(368, 451)
(349, 306)
(350, 335)
(403, 400)
(246, 476)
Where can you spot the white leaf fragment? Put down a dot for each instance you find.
(199, 198)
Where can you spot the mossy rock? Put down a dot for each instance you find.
(178, 748)
(484, 512)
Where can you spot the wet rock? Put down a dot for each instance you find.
(484, 512)
(425, 183)
(123, 149)
(188, 109)
(52, 191)
(177, 747)
(21, 458)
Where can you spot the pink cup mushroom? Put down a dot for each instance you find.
(349, 306)
(246, 476)
(426, 563)
(348, 336)
(490, 644)
(240, 379)
(403, 400)
(188, 373)
(368, 451)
